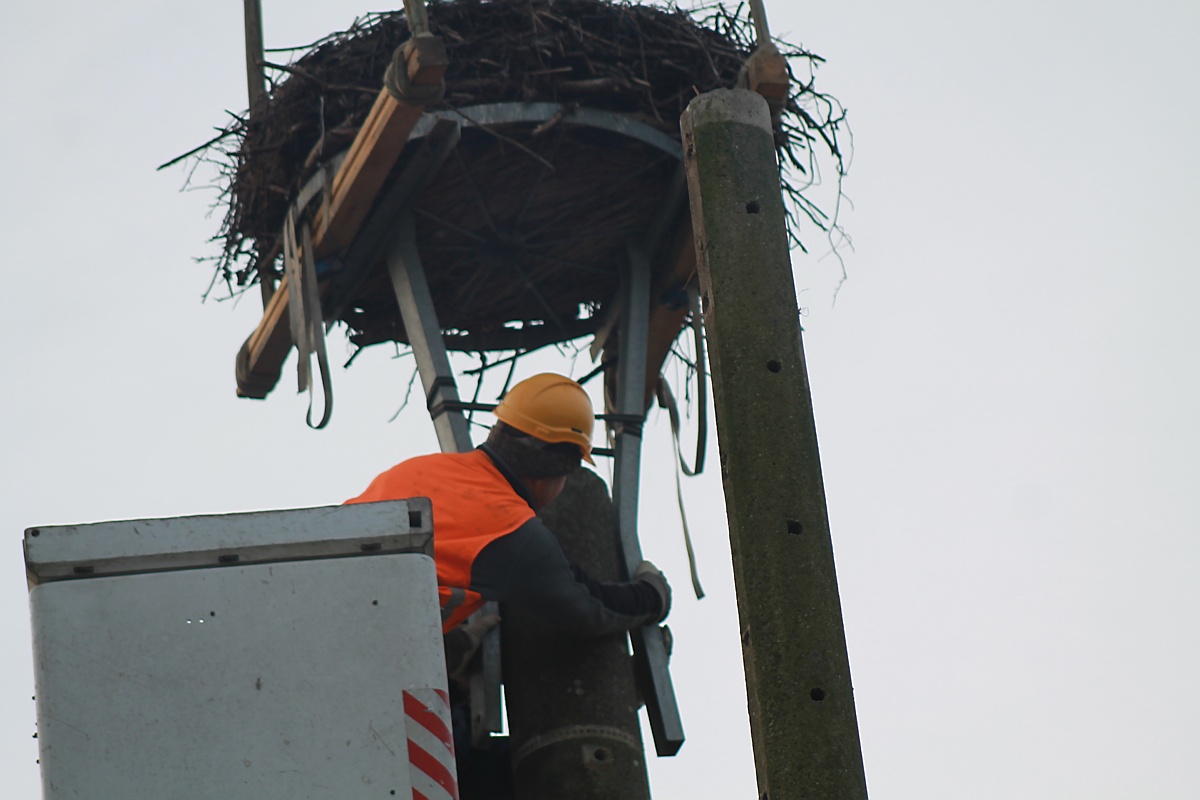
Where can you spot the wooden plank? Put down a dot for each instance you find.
(375, 150)
(372, 155)
(260, 359)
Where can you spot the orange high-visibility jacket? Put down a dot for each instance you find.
(489, 545)
(473, 505)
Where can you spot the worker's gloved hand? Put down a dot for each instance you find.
(463, 642)
(651, 574)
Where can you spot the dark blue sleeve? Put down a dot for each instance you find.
(528, 568)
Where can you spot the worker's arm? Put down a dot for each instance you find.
(527, 567)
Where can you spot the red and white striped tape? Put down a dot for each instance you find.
(430, 745)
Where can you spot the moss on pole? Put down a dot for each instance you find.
(802, 717)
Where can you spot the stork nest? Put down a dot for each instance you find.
(557, 208)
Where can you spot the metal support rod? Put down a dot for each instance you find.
(662, 225)
(630, 400)
(421, 325)
(256, 91)
(256, 84)
(418, 18)
(759, 14)
(802, 718)
(649, 650)
(441, 392)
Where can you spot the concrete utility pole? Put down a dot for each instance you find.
(572, 702)
(802, 716)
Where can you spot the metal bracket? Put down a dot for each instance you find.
(649, 651)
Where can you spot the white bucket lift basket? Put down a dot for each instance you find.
(279, 654)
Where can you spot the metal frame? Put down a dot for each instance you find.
(439, 133)
(441, 395)
(649, 649)
(425, 337)
(486, 114)
(429, 347)
(379, 230)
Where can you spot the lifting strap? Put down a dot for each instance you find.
(666, 400)
(304, 316)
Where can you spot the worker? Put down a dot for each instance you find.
(488, 542)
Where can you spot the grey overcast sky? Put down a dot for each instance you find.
(1006, 387)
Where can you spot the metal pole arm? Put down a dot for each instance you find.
(649, 650)
(759, 14)
(418, 18)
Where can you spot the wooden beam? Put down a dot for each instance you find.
(353, 190)
(260, 359)
(375, 150)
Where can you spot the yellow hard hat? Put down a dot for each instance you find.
(552, 408)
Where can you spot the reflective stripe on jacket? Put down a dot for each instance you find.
(473, 505)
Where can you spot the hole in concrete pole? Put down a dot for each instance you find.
(414, 519)
(817, 695)
(774, 365)
(794, 527)
(752, 207)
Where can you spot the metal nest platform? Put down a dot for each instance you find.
(567, 149)
(524, 227)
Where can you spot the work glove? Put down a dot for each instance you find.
(651, 574)
(463, 642)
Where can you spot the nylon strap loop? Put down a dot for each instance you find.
(396, 81)
(666, 400)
